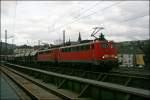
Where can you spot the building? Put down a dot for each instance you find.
(130, 54)
(23, 49)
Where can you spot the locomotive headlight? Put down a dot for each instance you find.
(116, 57)
(103, 57)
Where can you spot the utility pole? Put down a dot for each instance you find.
(39, 44)
(64, 37)
(69, 40)
(79, 38)
(0, 38)
(0, 45)
(12, 43)
(6, 41)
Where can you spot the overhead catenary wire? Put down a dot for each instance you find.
(135, 18)
(88, 9)
(126, 20)
(88, 15)
(95, 12)
(114, 4)
(83, 11)
(129, 19)
(14, 18)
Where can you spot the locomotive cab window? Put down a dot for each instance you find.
(104, 45)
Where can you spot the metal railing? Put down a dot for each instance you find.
(86, 87)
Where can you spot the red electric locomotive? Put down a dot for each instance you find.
(96, 52)
(46, 56)
(99, 53)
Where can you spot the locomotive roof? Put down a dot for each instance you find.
(76, 45)
(81, 44)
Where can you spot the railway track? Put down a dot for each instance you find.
(33, 91)
(138, 72)
(117, 77)
(10, 90)
(84, 88)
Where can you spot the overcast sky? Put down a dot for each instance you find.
(30, 21)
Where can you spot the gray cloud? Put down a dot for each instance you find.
(45, 20)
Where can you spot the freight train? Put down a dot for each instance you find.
(97, 52)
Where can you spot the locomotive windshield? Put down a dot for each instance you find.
(104, 45)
